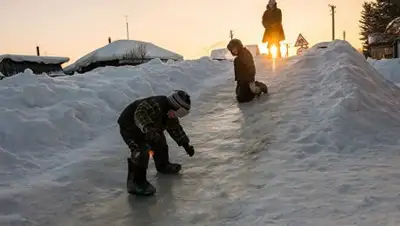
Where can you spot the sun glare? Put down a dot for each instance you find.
(263, 48)
(274, 51)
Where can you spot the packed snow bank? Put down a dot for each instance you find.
(344, 96)
(388, 68)
(323, 149)
(43, 117)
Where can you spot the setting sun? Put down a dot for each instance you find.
(263, 49)
(274, 51)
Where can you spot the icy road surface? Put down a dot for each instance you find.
(322, 149)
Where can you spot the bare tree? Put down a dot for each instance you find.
(142, 51)
(137, 53)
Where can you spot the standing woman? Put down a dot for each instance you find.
(272, 22)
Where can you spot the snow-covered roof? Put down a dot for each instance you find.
(393, 27)
(118, 49)
(221, 54)
(379, 38)
(224, 54)
(36, 59)
(253, 49)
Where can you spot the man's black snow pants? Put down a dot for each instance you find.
(136, 142)
(243, 92)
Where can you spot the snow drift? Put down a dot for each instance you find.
(343, 85)
(388, 68)
(324, 147)
(43, 118)
(335, 103)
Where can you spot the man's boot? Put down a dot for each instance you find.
(137, 183)
(262, 86)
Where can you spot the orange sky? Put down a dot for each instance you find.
(73, 28)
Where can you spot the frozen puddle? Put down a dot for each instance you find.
(321, 150)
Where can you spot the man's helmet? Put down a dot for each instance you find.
(180, 100)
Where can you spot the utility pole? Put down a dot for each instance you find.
(127, 27)
(231, 34)
(333, 7)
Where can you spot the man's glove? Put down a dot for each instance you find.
(189, 149)
(152, 134)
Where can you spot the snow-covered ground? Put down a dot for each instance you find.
(389, 68)
(322, 149)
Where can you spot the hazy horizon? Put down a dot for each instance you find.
(74, 28)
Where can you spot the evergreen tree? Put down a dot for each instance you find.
(375, 17)
(386, 11)
(367, 23)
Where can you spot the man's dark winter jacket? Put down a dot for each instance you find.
(245, 70)
(152, 112)
(245, 73)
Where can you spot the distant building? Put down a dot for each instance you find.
(13, 64)
(380, 45)
(224, 54)
(119, 53)
(254, 49)
(221, 54)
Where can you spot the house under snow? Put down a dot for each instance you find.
(221, 54)
(381, 45)
(224, 54)
(119, 53)
(13, 64)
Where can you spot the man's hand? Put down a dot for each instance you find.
(189, 149)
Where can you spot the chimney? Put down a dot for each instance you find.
(109, 39)
(37, 51)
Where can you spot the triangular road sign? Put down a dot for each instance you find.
(301, 41)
